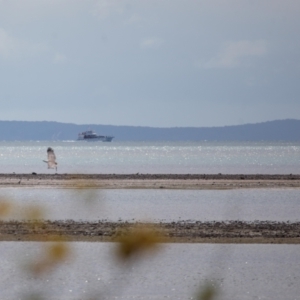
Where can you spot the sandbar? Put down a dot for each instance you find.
(256, 232)
(152, 181)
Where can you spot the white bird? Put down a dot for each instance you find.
(52, 164)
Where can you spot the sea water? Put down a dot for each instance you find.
(154, 157)
(156, 205)
(176, 271)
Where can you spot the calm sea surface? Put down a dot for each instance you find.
(160, 157)
(176, 271)
(157, 205)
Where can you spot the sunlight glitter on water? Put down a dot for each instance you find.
(181, 157)
(177, 271)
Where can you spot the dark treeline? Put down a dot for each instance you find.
(280, 130)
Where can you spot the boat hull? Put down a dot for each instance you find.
(91, 136)
(97, 139)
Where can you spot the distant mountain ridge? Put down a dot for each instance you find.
(278, 130)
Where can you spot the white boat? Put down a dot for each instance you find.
(91, 136)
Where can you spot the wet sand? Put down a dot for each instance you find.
(262, 232)
(151, 181)
(179, 232)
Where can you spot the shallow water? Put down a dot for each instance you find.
(155, 157)
(157, 205)
(176, 271)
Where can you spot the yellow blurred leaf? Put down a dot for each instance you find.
(136, 241)
(58, 252)
(53, 255)
(208, 292)
(34, 213)
(5, 208)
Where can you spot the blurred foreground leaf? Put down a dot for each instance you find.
(34, 212)
(137, 240)
(5, 208)
(208, 292)
(85, 190)
(34, 297)
(53, 255)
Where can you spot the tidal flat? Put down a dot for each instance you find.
(190, 219)
(152, 181)
(230, 232)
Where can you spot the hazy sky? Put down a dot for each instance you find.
(159, 63)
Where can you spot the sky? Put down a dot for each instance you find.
(158, 63)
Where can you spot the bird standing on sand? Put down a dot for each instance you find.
(52, 164)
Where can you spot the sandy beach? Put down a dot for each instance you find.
(179, 232)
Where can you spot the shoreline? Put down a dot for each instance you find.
(151, 181)
(225, 232)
